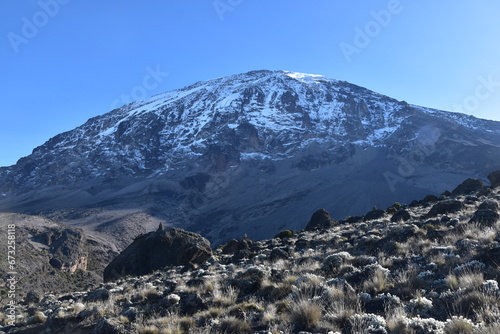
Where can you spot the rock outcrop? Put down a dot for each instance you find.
(320, 220)
(155, 250)
(468, 186)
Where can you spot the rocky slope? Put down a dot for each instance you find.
(247, 153)
(51, 257)
(430, 267)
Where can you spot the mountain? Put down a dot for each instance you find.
(248, 153)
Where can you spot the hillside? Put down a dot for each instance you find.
(427, 267)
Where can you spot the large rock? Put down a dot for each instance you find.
(468, 186)
(374, 214)
(320, 220)
(485, 218)
(445, 207)
(494, 178)
(155, 250)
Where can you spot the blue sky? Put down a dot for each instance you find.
(64, 61)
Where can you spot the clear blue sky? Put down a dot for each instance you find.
(64, 61)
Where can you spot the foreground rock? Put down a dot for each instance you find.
(155, 250)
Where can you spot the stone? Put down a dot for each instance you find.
(374, 214)
(494, 178)
(111, 326)
(468, 186)
(320, 220)
(190, 303)
(429, 198)
(279, 254)
(334, 261)
(400, 215)
(485, 218)
(488, 205)
(156, 250)
(97, 295)
(445, 207)
(33, 297)
(233, 245)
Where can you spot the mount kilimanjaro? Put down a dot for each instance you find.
(252, 153)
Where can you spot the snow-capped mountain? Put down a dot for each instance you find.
(240, 149)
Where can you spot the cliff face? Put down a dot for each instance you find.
(53, 257)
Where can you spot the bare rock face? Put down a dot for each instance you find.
(68, 248)
(53, 257)
(155, 250)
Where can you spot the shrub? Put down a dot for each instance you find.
(367, 323)
(232, 325)
(477, 306)
(378, 282)
(391, 210)
(186, 323)
(150, 329)
(396, 320)
(305, 315)
(284, 234)
(458, 326)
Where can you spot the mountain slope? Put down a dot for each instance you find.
(248, 153)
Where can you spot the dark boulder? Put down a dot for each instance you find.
(374, 214)
(485, 218)
(488, 205)
(400, 215)
(190, 303)
(494, 178)
(445, 207)
(248, 282)
(279, 254)
(97, 295)
(302, 244)
(468, 186)
(234, 245)
(155, 250)
(33, 297)
(429, 198)
(320, 220)
(242, 254)
(111, 326)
